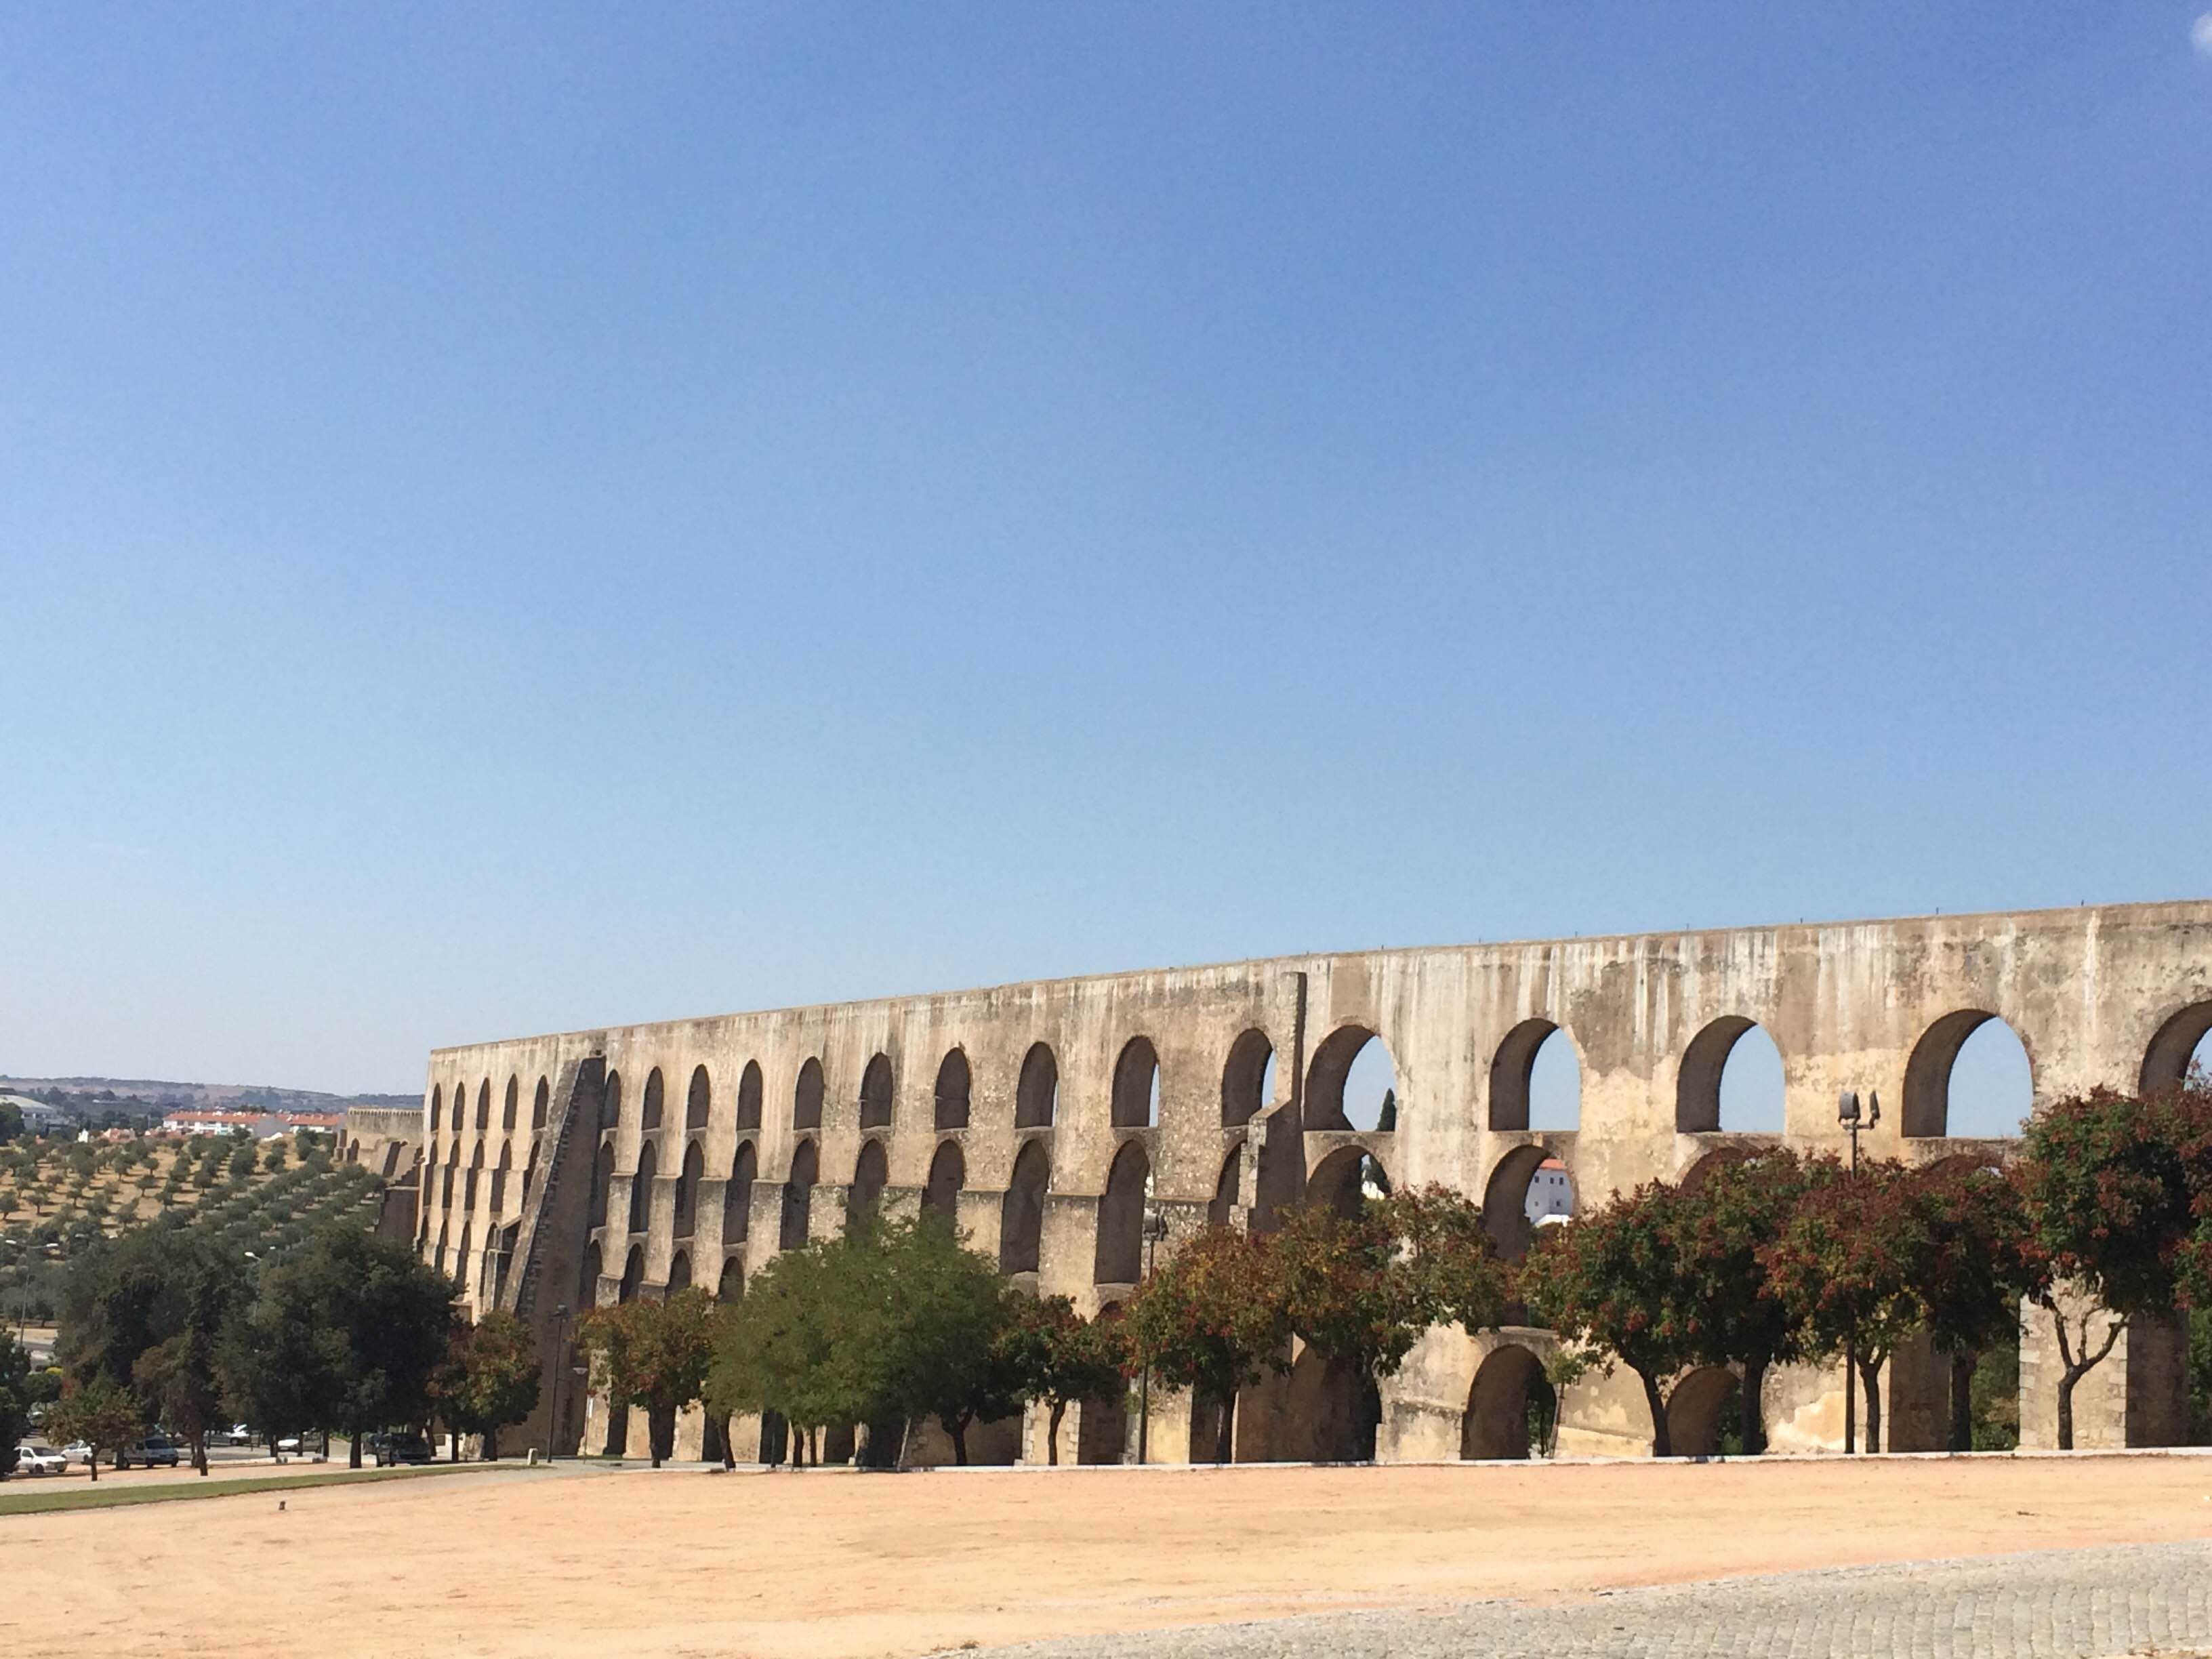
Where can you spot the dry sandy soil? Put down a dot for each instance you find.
(825, 1564)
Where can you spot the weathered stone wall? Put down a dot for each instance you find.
(2099, 994)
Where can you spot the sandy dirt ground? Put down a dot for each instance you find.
(826, 1564)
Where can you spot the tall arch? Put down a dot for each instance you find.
(1121, 1255)
(1508, 1215)
(749, 1096)
(1353, 1076)
(806, 1096)
(632, 1277)
(603, 1181)
(799, 1196)
(539, 1104)
(871, 1173)
(1345, 1180)
(732, 1285)
(1520, 1074)
(511, 1106)
(679, 1272)
(687, 1190)
(484, 1106)
(948, 1174)
(437, 1103)
(1021, 1213)
(1700, 1080)
(737, 1194)
(461, 1258)
(610, 1100)
(650, 1113)
(1696, 1410)
(1933, 1064)
(1244, 1078)
(954, 1083)
(876, 1093)
(698, 1101)
(1036, 1095)
(498, 1179)
(1228, 1188)
(2166, 1063)
(1137, 1085)
(641, 1189)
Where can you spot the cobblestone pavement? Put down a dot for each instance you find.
(2057, 1604)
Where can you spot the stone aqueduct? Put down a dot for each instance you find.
(554, 1172)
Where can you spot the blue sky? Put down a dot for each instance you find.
(520, 517)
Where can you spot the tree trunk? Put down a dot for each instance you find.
(1870, 1371)
(1224, 1437)
(453, 1445)
(1962, 1400)
(2072, 1375)
(491, 1445)
(729, 1451)
(353, 1448)
(92, 1465)
(1753, 1407)
(1663, 1442)
(958, 1429)
(1052, 1432)
(199, 1452)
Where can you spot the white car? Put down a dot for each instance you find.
(78, 1452)
(36, 1457)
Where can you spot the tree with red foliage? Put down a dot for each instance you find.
(1970, 1271)
(653, 1354)
(2118, 1193)
(1057, 1356)
(1731, 1313)
(1612, 1280)
(1844, 1268)
(1211, 1319)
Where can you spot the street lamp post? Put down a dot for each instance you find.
(1848, 1114)
(1155, 1229)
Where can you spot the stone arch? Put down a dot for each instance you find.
(1245, 1077)
(875, 1094)
(1497, 1421)
(1505, 1197)
(749, 1096)
(737, 1194)
(461, 1258)
(679, 1272)
(1699, 1080)
(698, 1101)
(511, 1105)
(948, 1174)
(603, 1181)
(498, 1179)
(806, 1096)
(1137, 1085)
(1346, 1179)
(475, 1173)
(392, 1160)
(1519, 1090)
(732, 1287)
(954, 1084)
(610, 1100)
(1021, 1213)
(641, 1189)
(1102, 1430)
(871, 1173)
(1934, 1061)
(2166, 1063)
(1350, 1068)
(1332, 1411)
(1694, 1410)
(437, 1103)
(632, 1274)
(1718, 1157)
(1120, 1253)
(799, 1196)
(650, 1113)
(540, 1103)
(1228, 1188)
(1036, 1095)
(484, 1106)
(529, 1172)
(687, 1190)
(440, 1257)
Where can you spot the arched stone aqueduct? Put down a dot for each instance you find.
(1041, 1114)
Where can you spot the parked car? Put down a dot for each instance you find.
(393, 1449)
(236, 1435)
(78, 1451)
(153, 1449)
(37, 1457)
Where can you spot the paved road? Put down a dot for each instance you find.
(2057, 1604)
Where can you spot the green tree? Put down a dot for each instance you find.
(1059, 1357)
(101, 1413)
(1211, 1319)
(1454, 1265)
(1970, 1272)
(793, 1344)
(15, 1398)
(1845, 1266)
(939, 1319)
(1730, 1313)
(11, 1128)
(487, 1379)
(1612, 1280)
(2118, 1194)
(344, 1336)
(655, 1354)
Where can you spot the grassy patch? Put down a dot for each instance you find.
(90, 1497)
